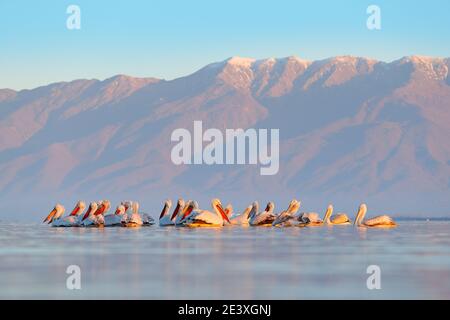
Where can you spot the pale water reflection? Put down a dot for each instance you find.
(228, 263)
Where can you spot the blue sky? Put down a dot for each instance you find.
(167, 39)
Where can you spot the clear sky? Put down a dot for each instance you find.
(168, 39)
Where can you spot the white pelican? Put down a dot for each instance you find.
(133, 219)
(72, 220)
(376, 222)
(242, 219)
(205, 218)
(55, 214)
(165, 218)
(338, 219)
(264, 218)
(116, 219)
(91, 218)
(287, 217)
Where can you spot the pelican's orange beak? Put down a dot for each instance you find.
(222, 213)
(88, 212)
(100, 210)
(175, 212)
(50, 216)
(267, 207)
(188, 211)
(75, 210)
(117, 211)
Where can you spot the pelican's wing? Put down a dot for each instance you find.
(113, 219)
(282, 217)
(263, 218)
(308, 217)
(203, 216)
(340, 218)
(380, 220)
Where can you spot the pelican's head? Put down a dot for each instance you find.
(166, 207)
(91, 210)
(56, 213)
(247, 211)
(294, 206)
(180, 206)
(120, 209)
(328, 214)
(127, 204)
(79, 208)
(361, 214)
(217, 206)
(270, 206)
(255, 209)
(102, 207)
(106, 206)
(293, 202)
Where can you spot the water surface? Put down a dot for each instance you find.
(227, 263)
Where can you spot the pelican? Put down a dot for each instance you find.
(338, 219)
(73, 219)
(116, 219)
(242, 219)
(287, 217)
(134, 219)
(264, 218)
(55, 214)
(376, 222)
(165, 218)
(91, 218)
(205, 218)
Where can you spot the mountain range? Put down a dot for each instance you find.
(352, 130)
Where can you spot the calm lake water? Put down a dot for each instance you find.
(227, 263)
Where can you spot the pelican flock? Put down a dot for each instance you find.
(188, 214)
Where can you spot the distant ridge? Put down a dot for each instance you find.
(352, 129)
